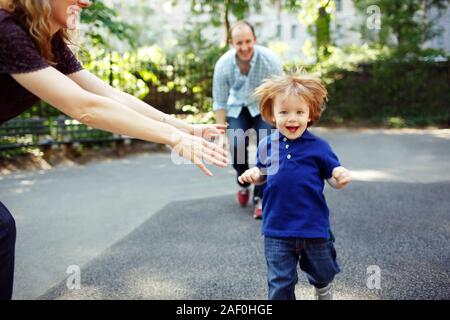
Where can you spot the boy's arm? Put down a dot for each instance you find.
(262, 178)
(340, 178)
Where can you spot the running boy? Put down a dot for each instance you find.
(295, 163)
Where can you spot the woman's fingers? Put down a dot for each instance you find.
(199, 144)
(210, 130)
(189, 154)
(211, 159)
(221, 127)
(204, 169)
(197, 150)
(216, 150)
(202, 166)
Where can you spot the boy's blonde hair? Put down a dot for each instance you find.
(304, 86)
(35, 17)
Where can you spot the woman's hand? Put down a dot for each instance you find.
(197, 150)
(252, 175)
(208, 131)
(212, 132)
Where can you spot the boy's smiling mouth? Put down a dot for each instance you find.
(292, 129)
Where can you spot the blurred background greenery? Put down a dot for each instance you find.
(390, 77)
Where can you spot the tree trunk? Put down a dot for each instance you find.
(227, 21)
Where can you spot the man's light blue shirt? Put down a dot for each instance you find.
(233, 90)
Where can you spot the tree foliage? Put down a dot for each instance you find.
(405, 25)
(316, 15)
(103, 22)
(220, 11)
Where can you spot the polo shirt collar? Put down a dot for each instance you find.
(305, 136)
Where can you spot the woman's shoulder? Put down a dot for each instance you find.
(8, 19)
(18, 53)
(11, 27)
(4, 14)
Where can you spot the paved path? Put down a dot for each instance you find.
(144, 228)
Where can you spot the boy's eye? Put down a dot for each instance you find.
(283, 112)
(300, 112)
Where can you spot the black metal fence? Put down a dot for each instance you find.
(18, 135)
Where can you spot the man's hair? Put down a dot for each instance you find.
(242, 23)
(299, 84)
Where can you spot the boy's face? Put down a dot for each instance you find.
(291, 115)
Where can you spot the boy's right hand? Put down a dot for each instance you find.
(252, 175)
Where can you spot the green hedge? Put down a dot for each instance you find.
(384, 92)
(390, 93)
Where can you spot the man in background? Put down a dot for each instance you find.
(236, 74)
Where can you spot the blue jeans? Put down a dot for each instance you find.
(316, 257)
(7, 250)
(239, 143)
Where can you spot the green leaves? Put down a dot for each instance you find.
(104, 22)
(408, 22)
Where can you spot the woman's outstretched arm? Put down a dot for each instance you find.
(93, 84)
(110, 115)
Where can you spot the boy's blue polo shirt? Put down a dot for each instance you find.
(293, 202)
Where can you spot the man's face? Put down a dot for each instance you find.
(243, 41)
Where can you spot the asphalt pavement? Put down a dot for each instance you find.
(144, 228)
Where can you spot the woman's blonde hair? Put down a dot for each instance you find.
(299, 84)
(35, 16)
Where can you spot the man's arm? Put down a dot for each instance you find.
(220, 92)
(221, 116)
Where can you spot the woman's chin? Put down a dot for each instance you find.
(72, 24)
(72, 27)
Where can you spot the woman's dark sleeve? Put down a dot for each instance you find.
(18, 53)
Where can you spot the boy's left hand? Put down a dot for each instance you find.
(341, 176)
